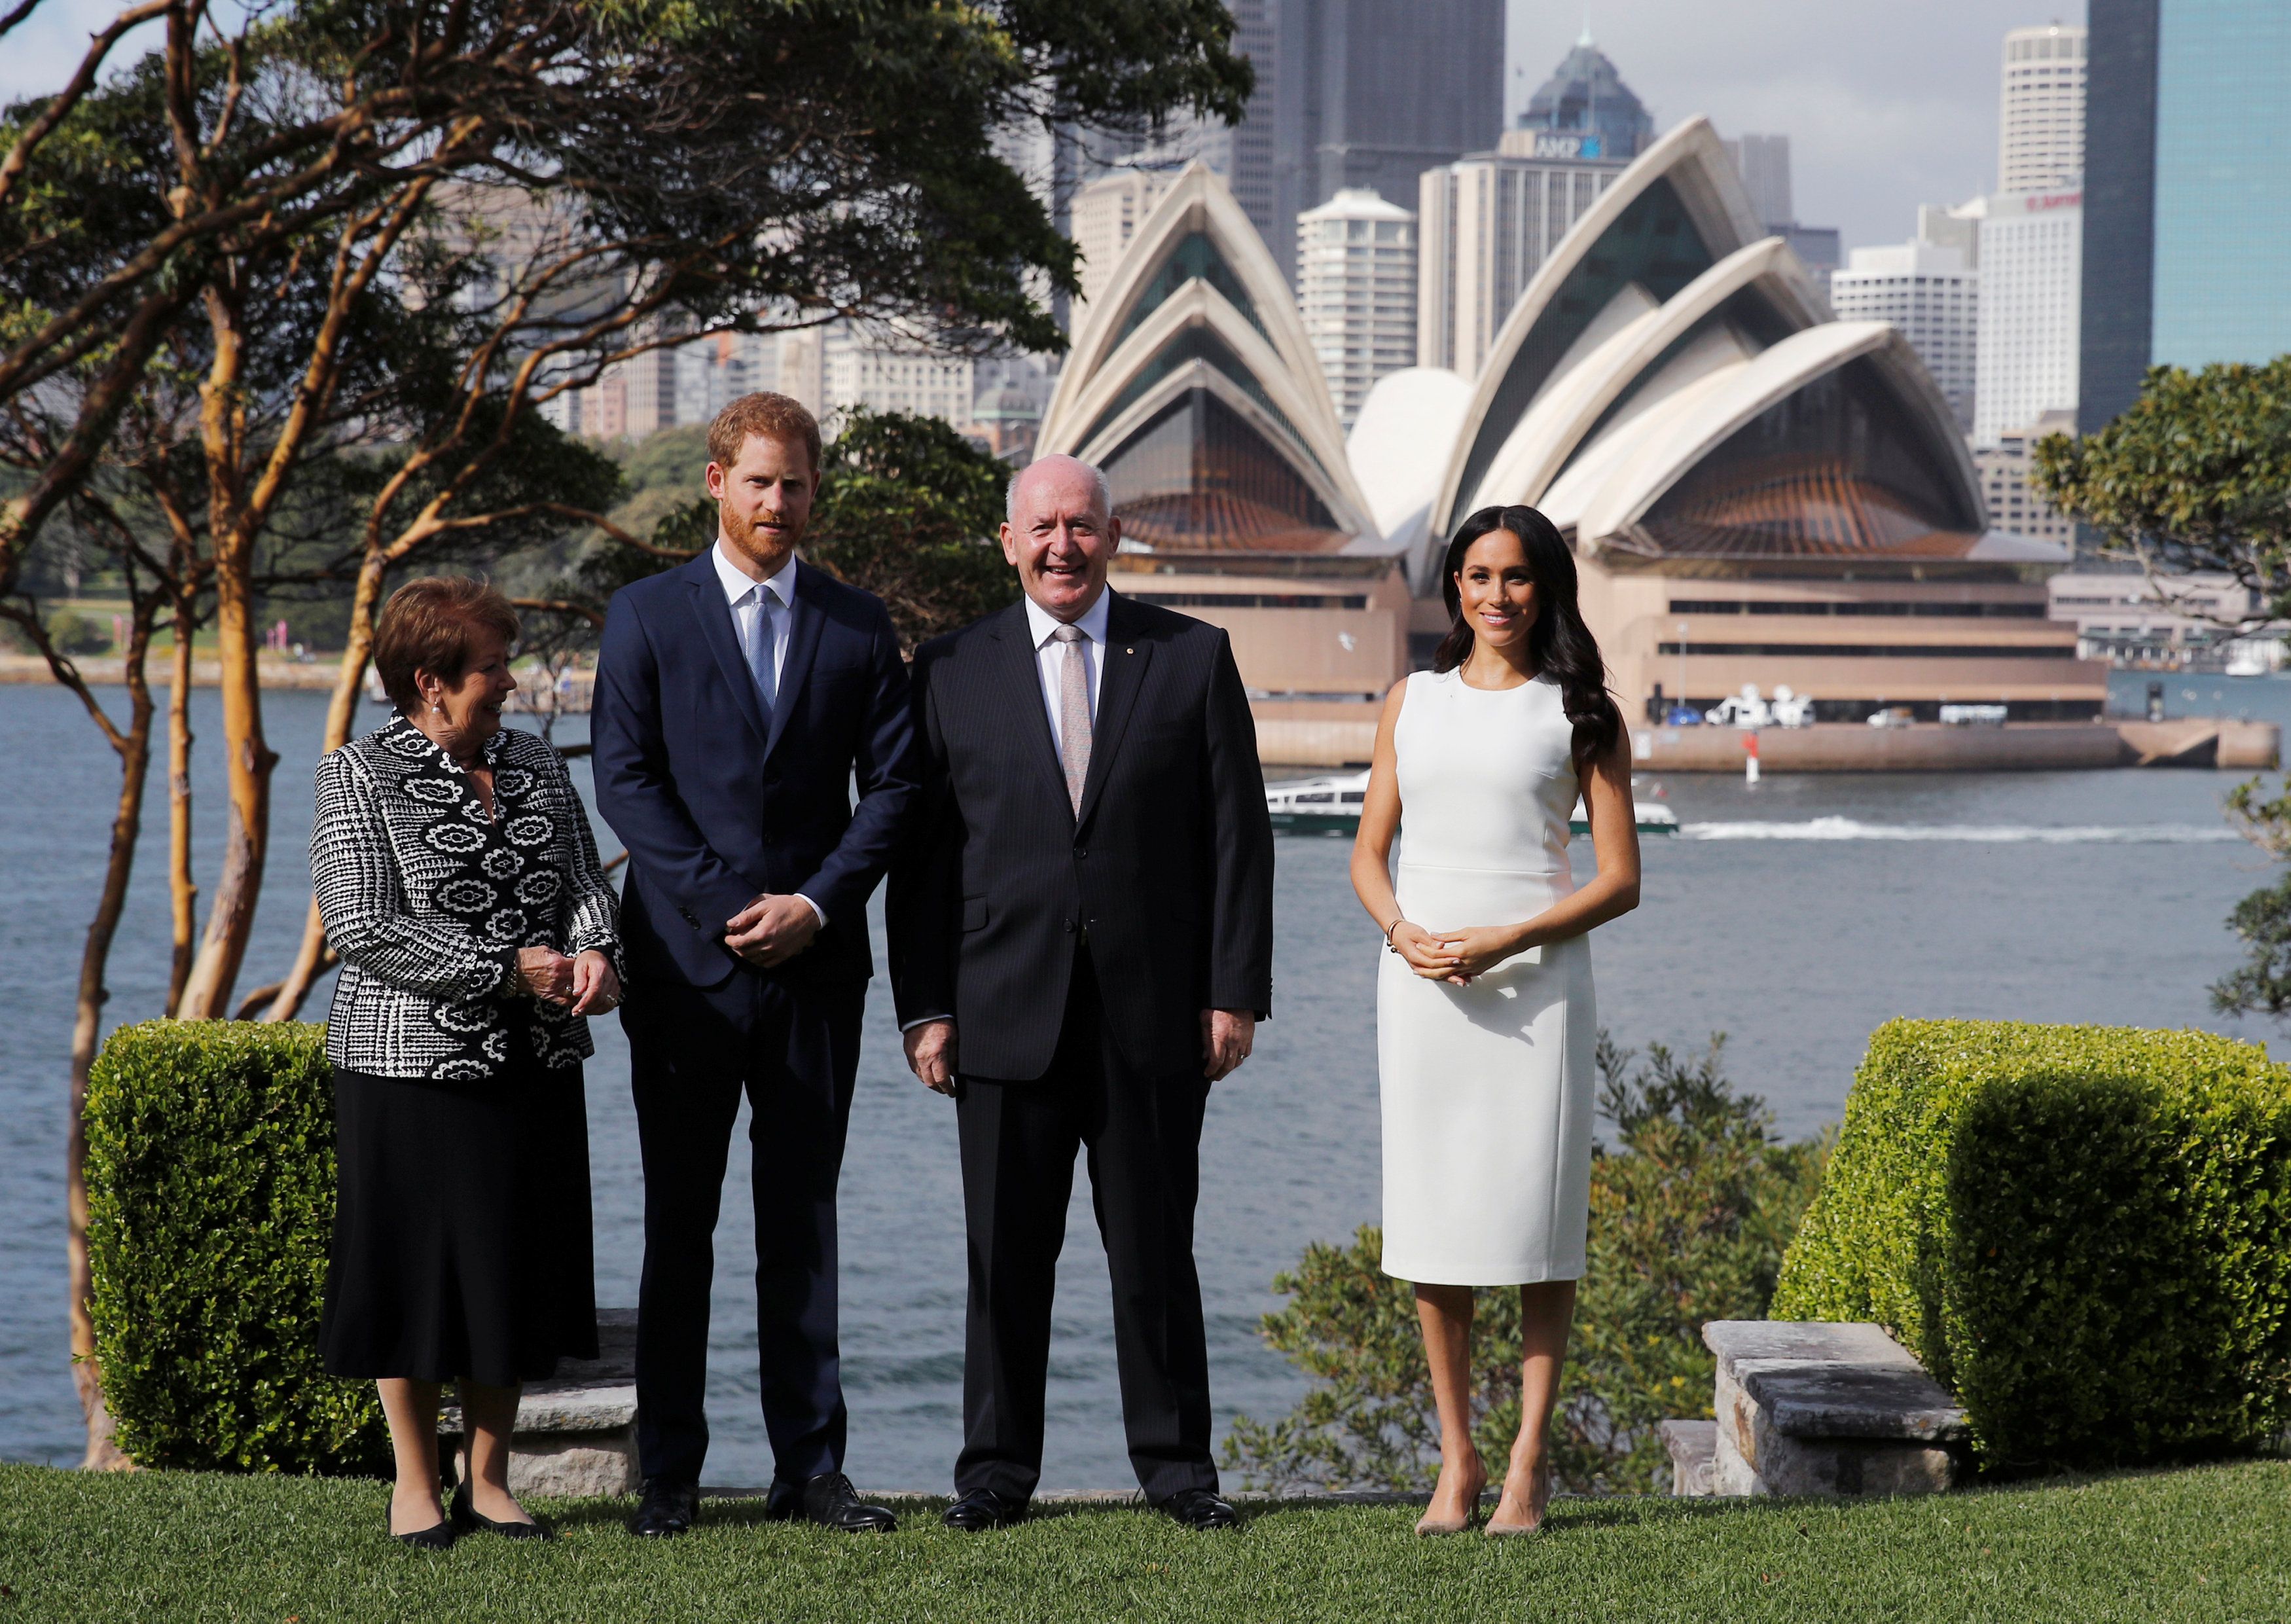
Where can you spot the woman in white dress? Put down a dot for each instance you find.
(1485, 1029)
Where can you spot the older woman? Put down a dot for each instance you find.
(459, 882)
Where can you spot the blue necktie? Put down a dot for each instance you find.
(760, 650)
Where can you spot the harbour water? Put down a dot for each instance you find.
(1793, 915)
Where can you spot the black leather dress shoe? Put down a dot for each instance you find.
(976, 1510)
(468, 1520)
(830, 1501)
(667, 1509)
(1202, 1509)
(437, 1537)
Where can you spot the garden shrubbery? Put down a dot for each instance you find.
(1690, 1210)
(2084, 1231)
(211, 1194)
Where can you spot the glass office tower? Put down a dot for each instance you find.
(2187, 250)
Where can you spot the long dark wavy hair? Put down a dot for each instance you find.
(1559, 644)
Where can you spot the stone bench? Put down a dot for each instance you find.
(576, 1433)
(1836, 1410)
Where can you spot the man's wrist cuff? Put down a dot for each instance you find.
(923, 1020)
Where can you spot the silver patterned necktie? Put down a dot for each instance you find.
(1074, 713)
(761, 649)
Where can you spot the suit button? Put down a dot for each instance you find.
(1070, 927)
(1081, 851)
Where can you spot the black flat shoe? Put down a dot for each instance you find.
(1205, 1509)
(466, 1519)
(830, 1501)
(437, 1537)
(667, 1510)
(976, 1510)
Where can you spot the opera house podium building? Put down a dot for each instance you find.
(1755, 493)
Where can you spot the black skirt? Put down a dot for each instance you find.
(462, 1245)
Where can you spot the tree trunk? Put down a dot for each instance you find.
(311, 958)
(182, 888)
(248, 756)
(134, 752)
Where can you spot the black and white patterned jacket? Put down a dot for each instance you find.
(428, 900)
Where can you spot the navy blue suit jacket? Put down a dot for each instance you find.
(718, 802)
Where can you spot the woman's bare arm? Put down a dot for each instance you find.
(1379, 826)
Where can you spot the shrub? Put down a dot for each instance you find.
(1689, 1216)
(211, 1194)
(2085, 1231)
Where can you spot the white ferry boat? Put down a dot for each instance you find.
(1331, 805)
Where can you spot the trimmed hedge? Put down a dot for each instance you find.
(2084, 1231)
(211, 1196)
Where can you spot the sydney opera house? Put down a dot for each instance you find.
(1756, 491)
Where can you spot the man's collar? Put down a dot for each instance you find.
(1040, 622)
(737, 583)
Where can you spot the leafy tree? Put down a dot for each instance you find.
(908, 510)
(2194, 475)
(357, 246)
(1690, 1210)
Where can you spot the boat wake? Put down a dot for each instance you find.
(1990, 834)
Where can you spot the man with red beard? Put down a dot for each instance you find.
(738, 699)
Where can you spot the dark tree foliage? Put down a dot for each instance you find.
(908, 510)
(2194, 475)
(1691, 1208)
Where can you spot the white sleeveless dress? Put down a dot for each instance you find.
(1488, 1090)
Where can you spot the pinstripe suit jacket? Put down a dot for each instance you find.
(1167, 866)
(428, 900)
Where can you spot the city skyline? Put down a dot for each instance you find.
(1886, 107)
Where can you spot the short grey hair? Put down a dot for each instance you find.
(1098, 477)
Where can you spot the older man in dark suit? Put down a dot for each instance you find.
(1081, 942)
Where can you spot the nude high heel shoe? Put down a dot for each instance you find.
(1427, 1525)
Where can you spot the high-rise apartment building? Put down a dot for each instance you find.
(1485, 224)
(2040, 135)
(1928, 292)
(2031, 272)
(1370, 93)
(2188, 168)
(1356, 292)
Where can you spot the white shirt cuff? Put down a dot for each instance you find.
(922, 1020)
(816, 909)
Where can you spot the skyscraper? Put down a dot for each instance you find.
(1586, 99)
(2188, 237)
(1928, 292)
(2040, 133)
(2031, 250)
(1107, 215)
(1372, 93)
(1485, 224)
(1356, 293)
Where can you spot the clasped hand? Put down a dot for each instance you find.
(771, 930)
(585, 985)
(1456, 956)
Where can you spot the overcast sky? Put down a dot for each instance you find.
(1887, 103)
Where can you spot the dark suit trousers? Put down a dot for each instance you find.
(795, 1053)
(1018, 1139)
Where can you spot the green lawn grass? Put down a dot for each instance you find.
(2206, 1543)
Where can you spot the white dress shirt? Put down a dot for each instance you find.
(1050, 656)
(761, 607)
